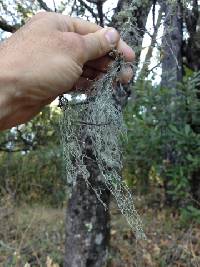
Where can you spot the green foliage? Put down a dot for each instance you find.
(162, 137)
(35, 177)
(34, 172)
(190, 214)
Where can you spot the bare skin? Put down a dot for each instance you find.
(52, 54)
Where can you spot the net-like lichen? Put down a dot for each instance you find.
(97, 122)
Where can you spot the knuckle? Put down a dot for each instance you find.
(74, 44)
(41, 15)
(38, 16)
(80, 47)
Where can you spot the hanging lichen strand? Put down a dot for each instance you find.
(96, 125)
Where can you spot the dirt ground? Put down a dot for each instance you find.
(34, 236)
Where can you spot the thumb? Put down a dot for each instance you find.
(99, 43)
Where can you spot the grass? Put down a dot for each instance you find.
(35, 235)
(31, 234)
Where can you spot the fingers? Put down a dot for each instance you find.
(100, 64)
(93, 33)
(99, 43)
(84, 27)
(91, 73)
(126, 50)
(82, 85)
(125, 75)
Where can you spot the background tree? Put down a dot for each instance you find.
(191, 57)
(170, 124)
(172, 71)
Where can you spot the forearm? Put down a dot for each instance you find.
(8, 103)
(17, 101)
(17, 105)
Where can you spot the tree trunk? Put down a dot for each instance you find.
(87, 222)
(192, 60)
(172, 70)
(135, 34)
(172, 73)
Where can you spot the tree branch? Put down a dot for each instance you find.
(20, 143)
(44, 6)
(100, 13)
(26, 142)
(7, 150)
(7, 27)
(89, 9)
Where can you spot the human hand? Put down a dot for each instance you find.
(52, 54)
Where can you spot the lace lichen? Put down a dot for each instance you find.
(98, 122)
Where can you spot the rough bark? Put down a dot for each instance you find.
(134, 36)
(172, 71)
(192, 46)
(192, 60)
(138, 19)
(87, 222)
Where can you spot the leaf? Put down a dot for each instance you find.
(173, 128)
(187, 129)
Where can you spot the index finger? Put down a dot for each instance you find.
(84, 27)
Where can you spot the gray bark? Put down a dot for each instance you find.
(87, 222)
(192, 46)
(192, 60)
(172, 71)
(134, 36)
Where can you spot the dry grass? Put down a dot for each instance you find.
(34, 236)
(31, 234)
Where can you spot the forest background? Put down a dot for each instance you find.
(161, 155)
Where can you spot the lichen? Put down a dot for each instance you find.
(97, 122)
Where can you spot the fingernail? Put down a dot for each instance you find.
(112, 36)
(125, 75)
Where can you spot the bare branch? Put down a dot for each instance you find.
(154, 67)
(100, 13)
(144, 70)
(21, 143)
(89, 9)
(7, 150)
(5, 26)
(26, 142)
(44, 6)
